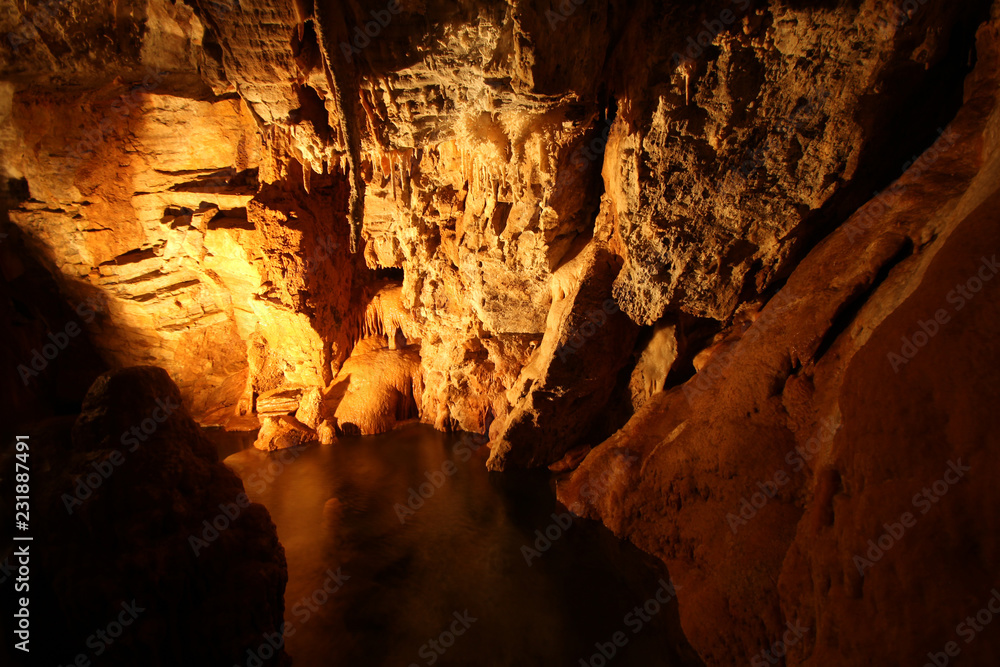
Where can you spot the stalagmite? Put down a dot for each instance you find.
(375, 390)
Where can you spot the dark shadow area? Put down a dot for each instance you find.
(47, 360)
(391, 538)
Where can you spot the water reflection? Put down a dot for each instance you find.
(456, 558)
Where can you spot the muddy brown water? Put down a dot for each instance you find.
(404, 550)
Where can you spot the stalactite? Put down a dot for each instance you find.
(404, 176)
(687, 67)
(303, 12)
(383, 315)
(392, 176)
(369, 112)
(346, 113)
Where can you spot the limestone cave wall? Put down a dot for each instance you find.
(691, 232)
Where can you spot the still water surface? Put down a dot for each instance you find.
(455, 564)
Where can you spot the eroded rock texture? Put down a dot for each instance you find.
(537, 220)
(822, 426)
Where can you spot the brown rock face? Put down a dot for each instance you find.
(560, 393)
(138, 511)
(821, 469)
(640, 227)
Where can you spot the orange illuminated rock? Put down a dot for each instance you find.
(792, 479)
(282, 432)
(640, 232)
(375, 390)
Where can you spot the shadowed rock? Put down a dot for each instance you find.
(134, 506)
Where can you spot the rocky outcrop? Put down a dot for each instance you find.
(145, 222)
(819, 471)
(560, 393)
(196, 270)
(748, 129)
(138, 511)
